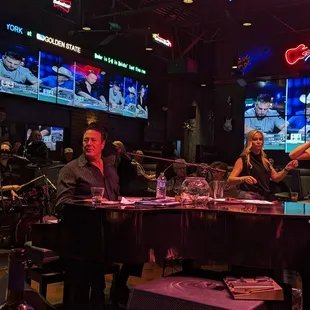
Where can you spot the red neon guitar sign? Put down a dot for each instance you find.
(64, 5)
(294, 55)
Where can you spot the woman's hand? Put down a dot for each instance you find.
(291, 165)
(249, 180)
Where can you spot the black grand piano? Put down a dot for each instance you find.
(273, 237)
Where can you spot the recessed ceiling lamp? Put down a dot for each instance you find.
(149, 48)
(203, 84)
(247, 24)
(86, 28)
(234, 67)
(188, 1)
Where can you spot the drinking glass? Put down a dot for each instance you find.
(97, 194)
(218, 189)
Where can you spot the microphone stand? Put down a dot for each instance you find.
(172, 161)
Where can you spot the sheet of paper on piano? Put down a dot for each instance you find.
(238, 201)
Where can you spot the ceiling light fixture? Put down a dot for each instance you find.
(234, 67)
(203, 85)
(247, 24)
(86, 28)
(148, 48)
(188, 1)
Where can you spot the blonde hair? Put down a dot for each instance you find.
(247, 150)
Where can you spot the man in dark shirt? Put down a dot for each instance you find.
(37, 148)
(89, 170)
(74, 183)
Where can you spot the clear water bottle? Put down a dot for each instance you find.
(161, 186)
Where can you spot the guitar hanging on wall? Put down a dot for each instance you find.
(228, 119)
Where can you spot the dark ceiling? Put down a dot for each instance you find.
(186, 25)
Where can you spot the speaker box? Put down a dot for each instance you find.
(174, 293)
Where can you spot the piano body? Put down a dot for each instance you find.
(245, 235)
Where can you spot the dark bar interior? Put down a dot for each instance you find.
(154, 154)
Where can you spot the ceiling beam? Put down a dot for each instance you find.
(148, 8)
(192, 44)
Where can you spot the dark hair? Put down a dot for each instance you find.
(220, 165)
(263, 98)
(90, 72)
(98, 128)
(2, 110)
(14, 55)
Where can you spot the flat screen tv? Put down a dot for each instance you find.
(142, 101)
(18, 70)
(264, 110)
(91, 88)
(116, 95)
(56, 76)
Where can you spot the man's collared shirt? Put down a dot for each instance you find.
(266, 124)
(20, 75)
(78, 176)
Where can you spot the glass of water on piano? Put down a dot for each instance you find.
(97, 195)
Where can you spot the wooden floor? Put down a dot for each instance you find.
(151, 271)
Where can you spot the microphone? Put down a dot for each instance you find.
(172, 161)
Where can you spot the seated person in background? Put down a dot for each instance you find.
(77, 177)
(137, 161)
(130, 182)
(229, 190)
(36, 147)
(68, 155)
(6, 169)
(44, 130)
(253, 171)
(202, 171)
(175, 183)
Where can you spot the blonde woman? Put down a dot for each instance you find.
(253, 171)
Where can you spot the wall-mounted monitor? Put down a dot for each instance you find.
(130, 97)
(298, 112)
(56, 77)
(142, 101)
(116, 95)
(265, 106)
(91, 87)
(18, 70)
(50, 135)
(50, 77)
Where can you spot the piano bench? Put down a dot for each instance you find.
(40, 256)
(43, 278)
